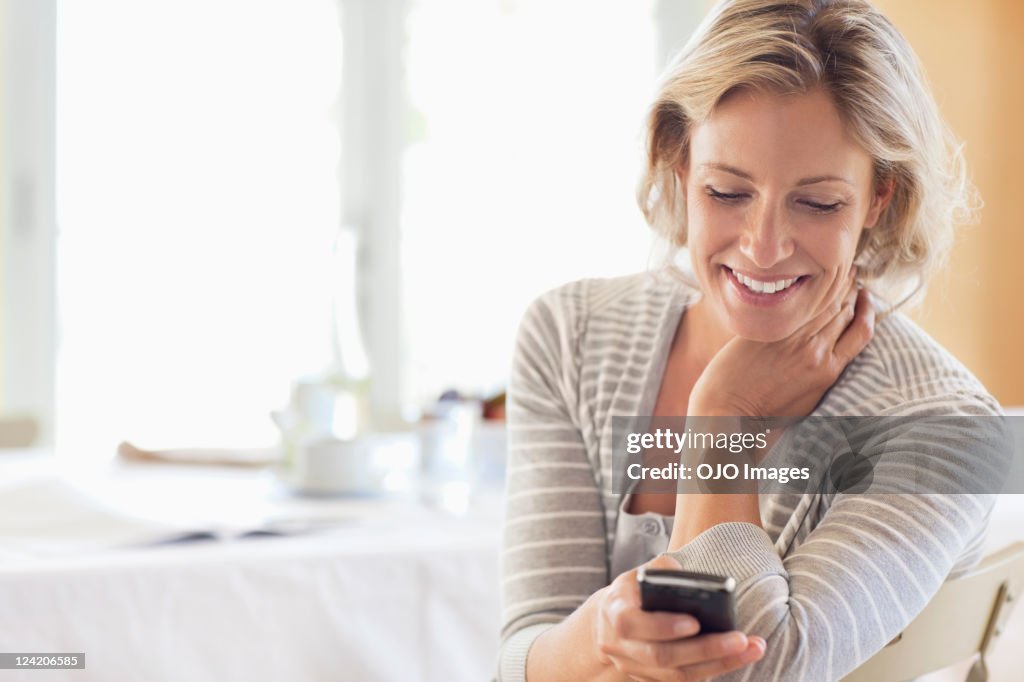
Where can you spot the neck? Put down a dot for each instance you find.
(701, 334)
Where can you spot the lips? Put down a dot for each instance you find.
(765, 289)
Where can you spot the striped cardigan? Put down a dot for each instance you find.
(827, 582)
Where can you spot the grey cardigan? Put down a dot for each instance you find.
(828, 581)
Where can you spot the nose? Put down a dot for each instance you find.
(766, 239)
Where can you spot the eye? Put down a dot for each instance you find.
(724, 197)
(822, 208)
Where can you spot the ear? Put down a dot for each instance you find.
(879, 202)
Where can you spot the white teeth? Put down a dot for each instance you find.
(764, 287)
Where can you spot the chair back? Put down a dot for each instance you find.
(964, 618)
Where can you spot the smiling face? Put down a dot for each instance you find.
(777, 196)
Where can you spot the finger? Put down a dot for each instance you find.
(626, 589)
(833, 299)
(664, 561)
(702, 671)
(630, 621)
(835, 327)
(633, 623)
(683, 652)
(859, 332)
(754, 651)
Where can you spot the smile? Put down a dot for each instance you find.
(772, 287)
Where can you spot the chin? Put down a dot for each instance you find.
(760, 330)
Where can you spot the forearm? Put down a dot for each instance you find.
(568, 651)
(695, 513)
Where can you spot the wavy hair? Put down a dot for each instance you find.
(866, 65)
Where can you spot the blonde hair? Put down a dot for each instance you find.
(848, 48)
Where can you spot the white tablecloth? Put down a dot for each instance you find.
(396, 592)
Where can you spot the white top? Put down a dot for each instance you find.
(638, 537)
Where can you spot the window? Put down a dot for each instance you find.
(198, 200)
(519, 175)
(198, 195)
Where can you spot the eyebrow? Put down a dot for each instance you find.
(746, 176)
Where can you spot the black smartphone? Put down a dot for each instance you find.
(708, 598)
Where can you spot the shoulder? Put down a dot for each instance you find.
(612, 301)
(904, 371)
(595, 295)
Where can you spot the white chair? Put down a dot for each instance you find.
(964, 618)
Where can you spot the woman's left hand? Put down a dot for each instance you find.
(786, 378)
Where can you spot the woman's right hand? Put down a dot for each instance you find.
(788, 377)
(646, 645)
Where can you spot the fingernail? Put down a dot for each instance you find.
(735, 641)
(760, 643)
(754, 653)
(686, 626)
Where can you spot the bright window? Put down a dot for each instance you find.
(197, 203)
(198, 197)
(526, 125)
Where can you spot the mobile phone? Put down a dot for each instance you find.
(708, 598)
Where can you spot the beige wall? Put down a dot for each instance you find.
(973, 53)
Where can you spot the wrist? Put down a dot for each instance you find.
(697, 513)
(571, 646)
(711, 408)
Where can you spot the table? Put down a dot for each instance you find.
(395, 591)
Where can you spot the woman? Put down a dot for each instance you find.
(796, 151)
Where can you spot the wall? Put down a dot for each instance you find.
(973, 55)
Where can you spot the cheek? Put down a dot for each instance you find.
(831, 244)
(829, 240)
(706, 231)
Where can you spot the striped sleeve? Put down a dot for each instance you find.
(863, 573)
(554, 552)
(857, 582)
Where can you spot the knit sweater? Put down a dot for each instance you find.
(827, 581)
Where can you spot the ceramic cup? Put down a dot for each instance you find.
(332, 465)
